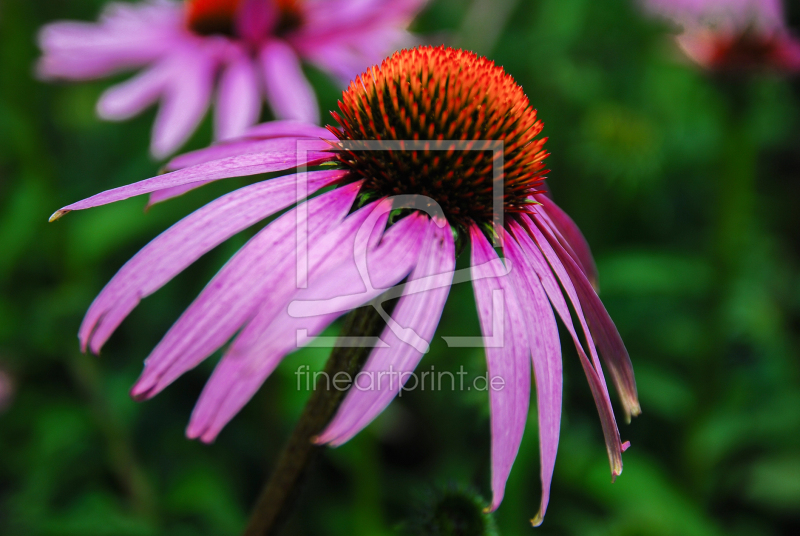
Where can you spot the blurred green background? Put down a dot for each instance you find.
(685, 183)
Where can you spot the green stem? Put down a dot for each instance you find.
(277, 497)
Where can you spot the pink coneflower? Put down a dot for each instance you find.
(354, 254)
(234, 51)
(725, 34)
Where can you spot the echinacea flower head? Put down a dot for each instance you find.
(234, 52)
(732, 34)
(424, 141)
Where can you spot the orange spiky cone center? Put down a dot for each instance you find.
(443, 94)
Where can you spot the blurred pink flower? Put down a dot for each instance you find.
(732, 34)
(234, 51)
(352, 255)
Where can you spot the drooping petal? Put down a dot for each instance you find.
(238, 98)
(239, 289)
(506, 357)
(407, 337)
(184, 102)
(183, 243)
(599, 393)
(606, 335)
(573, 237)
(289, 93)
(239, 374)
(546, 355)
(236, 166)
(547, 278)
(566, 281)
(592, 369)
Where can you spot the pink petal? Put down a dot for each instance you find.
(407, 338)
(239, 289)
(237, 166)
(510, 361)
(184, 101)
(341, 244)
(126, 36)
(219, 151)
(239, 374)
(238, 98)
(546, 354)
(547, 279)
(345, 37)
(593, 373)
(256, 19)
(287, 128)
(241, 146)
(132, 96)
(183, 243)
(289, 94)
(573, 237)
(566, 281)
(605, 333)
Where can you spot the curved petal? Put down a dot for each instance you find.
(238, 98)
(546, 354)
(407, 337)
(236, 166)
(289, 94)
(548, 280)
(601, 398)
(606, 335)
(176, 248)
(572, 236)
(506, 358)
(239, 374)
(566, 281)
(592, 369)
(239, 289)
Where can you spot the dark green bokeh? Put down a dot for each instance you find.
(685, 184)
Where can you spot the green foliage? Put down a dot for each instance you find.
(685, 184)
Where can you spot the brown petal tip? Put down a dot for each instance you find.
(57, 215)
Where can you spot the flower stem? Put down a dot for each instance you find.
(278, 495)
